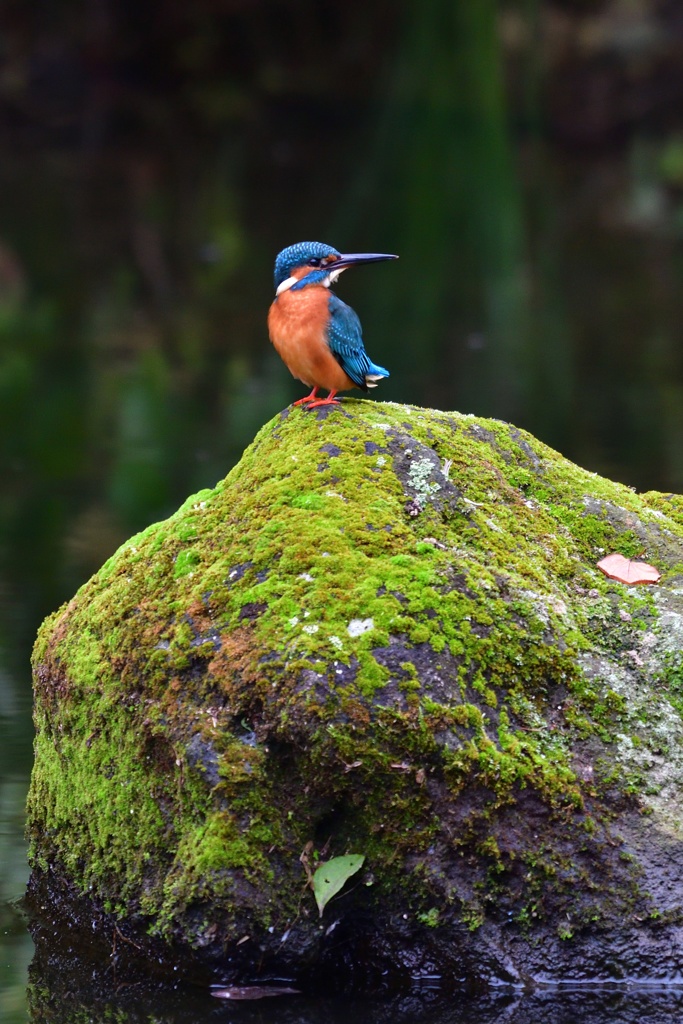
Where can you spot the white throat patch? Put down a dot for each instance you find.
(334, 276)
(284, 285)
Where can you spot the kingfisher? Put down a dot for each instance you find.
(317, 336)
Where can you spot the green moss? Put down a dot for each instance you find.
(430, 917)
(185, 562)
(473, 916)
(316, 647)
(218, 843)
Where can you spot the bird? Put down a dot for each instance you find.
(317, 336)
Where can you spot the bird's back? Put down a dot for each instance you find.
(345, 338)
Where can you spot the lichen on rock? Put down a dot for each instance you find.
(383, 633)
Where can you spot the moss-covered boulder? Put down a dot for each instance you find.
(384, 633)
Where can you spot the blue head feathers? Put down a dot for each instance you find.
(298, 256)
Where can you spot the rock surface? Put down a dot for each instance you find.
(383, 633)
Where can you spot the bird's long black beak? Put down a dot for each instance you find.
(349, 259)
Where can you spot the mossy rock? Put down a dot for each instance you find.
(383, 633)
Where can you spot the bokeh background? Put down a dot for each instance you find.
(524, 158)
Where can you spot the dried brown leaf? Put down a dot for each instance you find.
(626, 570)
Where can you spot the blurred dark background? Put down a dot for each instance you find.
(524, 158)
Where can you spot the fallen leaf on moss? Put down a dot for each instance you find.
(332, 875)
(625, 570)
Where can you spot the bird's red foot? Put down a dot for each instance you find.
(330, 400)
(308, 398)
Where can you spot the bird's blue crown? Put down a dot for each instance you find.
(298, 256)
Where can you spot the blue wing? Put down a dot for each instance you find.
(345, 338)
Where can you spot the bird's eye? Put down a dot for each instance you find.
(314, 262)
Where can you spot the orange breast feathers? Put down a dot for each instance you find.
(297, 322)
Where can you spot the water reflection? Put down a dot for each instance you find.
(16, 948)
(16, 952)
(134, 1005)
